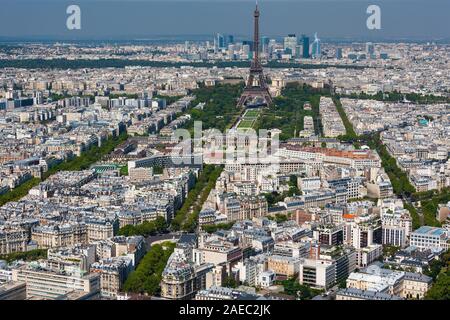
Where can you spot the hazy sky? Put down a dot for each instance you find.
(129, 19)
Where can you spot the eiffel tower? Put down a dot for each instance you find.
(256, 85)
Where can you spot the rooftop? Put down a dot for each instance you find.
(430, 231)
(367, 294)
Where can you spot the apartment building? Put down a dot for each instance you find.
(415, 285)
(317, 273)
(358, 294)
(100, 229)
(13, 240)
(331, 120)
(43, 283)
(396, 227)
(75, 258)
(218, 252)
(283, 266)
(251, 268)
(113, 273)
(376, 279)
(238, 208)
(63, 235)
(181, 280)
(402, 284)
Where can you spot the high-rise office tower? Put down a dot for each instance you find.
(220, 41)
(272, 44)
(370, 49)
(338, 53)
(298, 51)
(265, 45)
(316, 50)
(246, 50)
(290, 44)
(229, 40)
(215, 46)
(248, 43)
(231, 50)
(305, 41)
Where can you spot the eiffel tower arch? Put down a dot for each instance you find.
(260, 90)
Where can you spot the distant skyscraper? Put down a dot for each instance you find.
(370, 49)
(231, 50)
(338, 53)
(229, 40)
(290, 44)
(272, 44)
(216, 45)
(220, 41)
(248, 43)
(298, 51)
(246, 50)
(305, 41)
(265, 45)
(316, 47)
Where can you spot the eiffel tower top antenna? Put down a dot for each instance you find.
(256, 62)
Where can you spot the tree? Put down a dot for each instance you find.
(342, 284)
(147, 276)
(31, 255)
(134, 283)
(439, 270)
(187, 216)
(279, 218)
(441, 288)
(144, 229)
(211, 228)
(293, 188)
(294, 288)
(124, 170)
(151, 284)
(128, 230)
(287, 112)
(389, 251)
(158, 170)
(160, 224)
(435, 266)
(230, 282)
